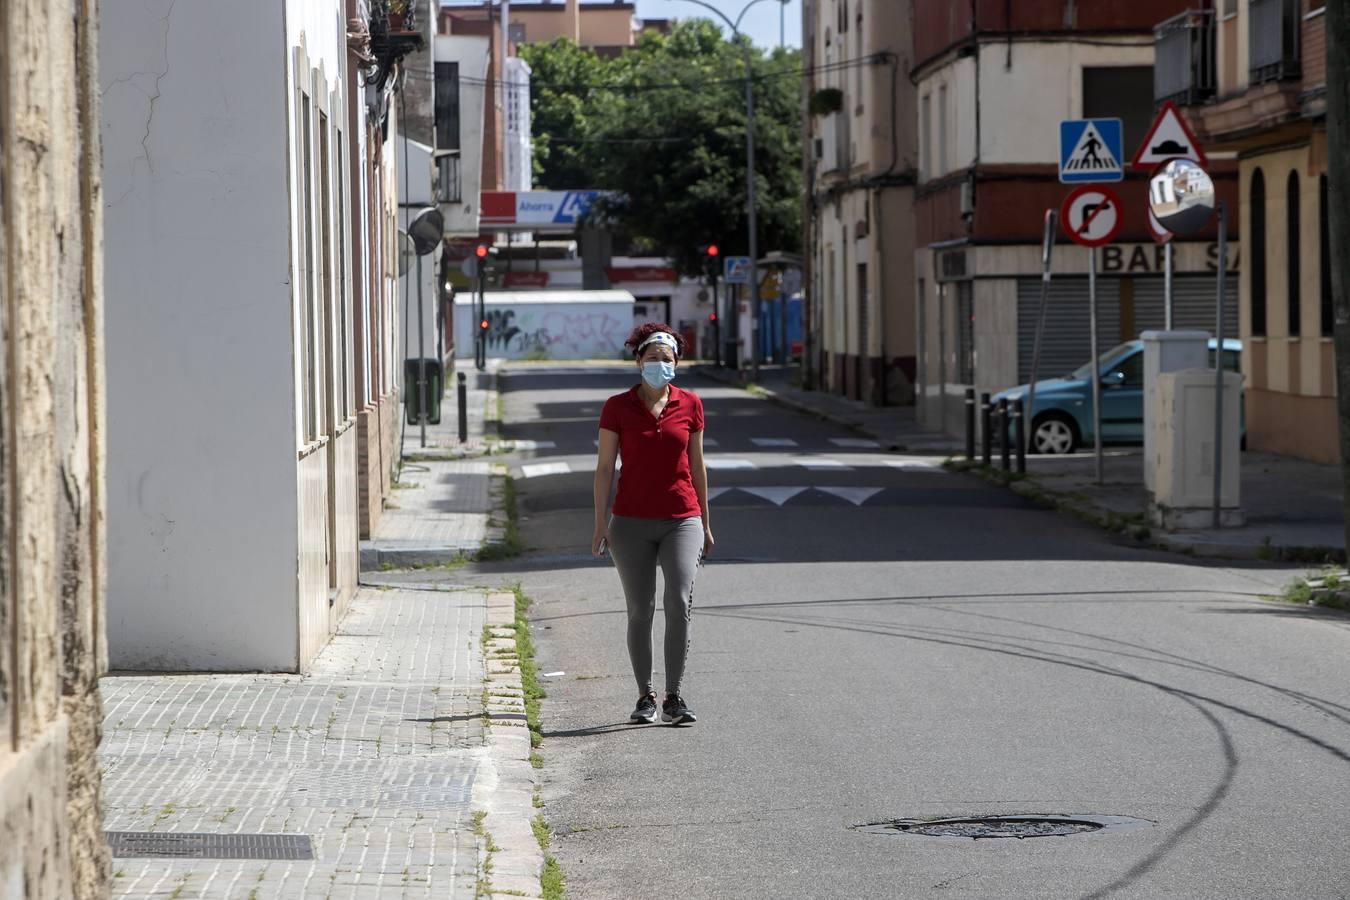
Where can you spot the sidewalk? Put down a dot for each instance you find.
(441, 508)
(397, 767)
(1293, 508)
(893, 427)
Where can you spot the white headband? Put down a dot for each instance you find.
(661, 337)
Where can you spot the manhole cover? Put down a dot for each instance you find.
(184, 845)
(986, 827)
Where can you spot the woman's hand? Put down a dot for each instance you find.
(600, 541)
(707, 542)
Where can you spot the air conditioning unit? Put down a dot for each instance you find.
(968, 197)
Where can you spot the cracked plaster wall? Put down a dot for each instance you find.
(202, 438)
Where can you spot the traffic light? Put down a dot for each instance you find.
(481, 251)
(483, 324)
(711, 250)
(712, 317)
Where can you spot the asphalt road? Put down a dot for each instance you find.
(878, 639)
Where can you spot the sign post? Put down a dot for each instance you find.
(1092, 218)
(1047, 248)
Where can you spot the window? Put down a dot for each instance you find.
(1120, 92)
(942, 166)
(1232, 360)
(1293, 295)
(310, 332)
(1257, 205)
(1132, 369)
(345, 407)
(447, 106)
(925, 128)
(1324, 252)
(325, 285)
(517, 33)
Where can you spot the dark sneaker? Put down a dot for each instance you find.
(646, 709)
(675, 712)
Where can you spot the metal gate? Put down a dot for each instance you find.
(1065, 345)
(1192, 304)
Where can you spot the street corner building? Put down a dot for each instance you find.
(52, 549)
(252, 313)
(994, 81)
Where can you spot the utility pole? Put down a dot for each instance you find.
(1337, 25)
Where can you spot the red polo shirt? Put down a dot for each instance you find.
(655, 482)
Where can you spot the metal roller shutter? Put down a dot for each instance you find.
(1065, 344)
(1192, 304)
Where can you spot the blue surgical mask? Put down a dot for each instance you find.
(658, 373)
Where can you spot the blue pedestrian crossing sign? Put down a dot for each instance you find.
(1091, 151)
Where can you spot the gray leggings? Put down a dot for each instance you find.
(637, 545)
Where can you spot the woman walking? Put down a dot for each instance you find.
(660, 512)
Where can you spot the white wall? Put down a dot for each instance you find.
(550, 324)
(201, 488)
(472, 55)
(1016, 129)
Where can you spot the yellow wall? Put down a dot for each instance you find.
(1290, 384)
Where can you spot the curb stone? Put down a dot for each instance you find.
(506, 793)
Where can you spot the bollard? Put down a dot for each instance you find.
(987, 427)
(970, 424)
(463, 392)
(1003, 437)
(1019, 435)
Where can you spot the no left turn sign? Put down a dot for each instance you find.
(1091, 216)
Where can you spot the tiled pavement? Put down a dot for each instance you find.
(375, 755)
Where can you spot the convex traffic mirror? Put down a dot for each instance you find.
(1181, 195)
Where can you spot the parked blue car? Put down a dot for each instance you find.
(1062, 419)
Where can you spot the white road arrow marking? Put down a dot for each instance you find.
(855, 495)
(537, 445)
(714, 493)
(775, 495)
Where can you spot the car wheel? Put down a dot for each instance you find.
(1055, 434)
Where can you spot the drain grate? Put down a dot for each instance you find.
(183, 845)
(988, 827)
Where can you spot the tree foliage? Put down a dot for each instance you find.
(663, 125)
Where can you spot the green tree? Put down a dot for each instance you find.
(663, 125)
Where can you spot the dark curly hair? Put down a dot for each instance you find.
(642, 332)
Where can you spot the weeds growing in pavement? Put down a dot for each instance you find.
(510, 546)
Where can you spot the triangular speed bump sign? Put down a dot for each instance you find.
(1169, 137)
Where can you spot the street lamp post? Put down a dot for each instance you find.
(753, 242)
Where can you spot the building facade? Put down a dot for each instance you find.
(860, 159)
(993, 82)
(1252, 74)
(53, 554)
(231, 352)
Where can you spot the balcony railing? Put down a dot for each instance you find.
(447, 177)
(1274, 37)
(1183, 66)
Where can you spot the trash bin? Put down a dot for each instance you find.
(435, 387)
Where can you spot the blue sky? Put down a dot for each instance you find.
(761, 22)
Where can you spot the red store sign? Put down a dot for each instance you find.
(646, 274)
